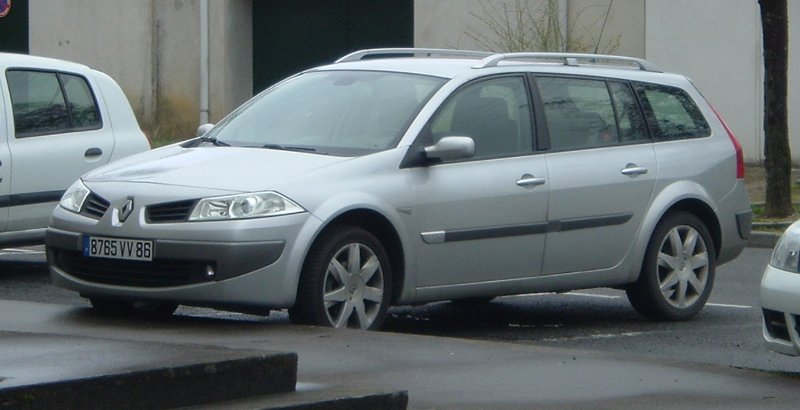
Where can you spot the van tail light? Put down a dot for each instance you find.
(736, 145)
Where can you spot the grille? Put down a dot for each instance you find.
(169, 212)
(158, 273)
(94, 206)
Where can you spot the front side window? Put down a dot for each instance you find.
(671, 113)
(345, 113)
(495, 113)
(583, 113)
(51, 103)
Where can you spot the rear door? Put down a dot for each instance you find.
(602, 172)
(59, 134)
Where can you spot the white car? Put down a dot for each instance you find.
(780, 294)
(58, 120)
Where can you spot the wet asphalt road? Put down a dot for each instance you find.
(727, 332)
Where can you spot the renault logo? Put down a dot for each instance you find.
(125, 210)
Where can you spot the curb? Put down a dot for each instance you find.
(763, 239)
(166, 387)
(328, 399)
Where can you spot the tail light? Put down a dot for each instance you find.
(736, 146)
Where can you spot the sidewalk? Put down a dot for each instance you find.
(436, 372)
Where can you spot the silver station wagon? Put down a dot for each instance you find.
(406, 176)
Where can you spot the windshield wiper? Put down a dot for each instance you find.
(215, 141)
(289, 148)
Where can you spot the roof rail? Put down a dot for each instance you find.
(570, 59)
(414, 52)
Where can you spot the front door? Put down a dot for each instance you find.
(482, 219)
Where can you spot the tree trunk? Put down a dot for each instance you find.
(777, 153)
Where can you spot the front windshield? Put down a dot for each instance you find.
(346, 113)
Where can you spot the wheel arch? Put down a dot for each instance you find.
(678, 197)
(382, 228)
(706, 214)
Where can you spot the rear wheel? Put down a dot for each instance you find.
(678, 270)
(345, 282)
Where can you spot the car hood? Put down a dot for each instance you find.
(224, 168)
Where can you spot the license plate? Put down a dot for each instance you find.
(117, 248)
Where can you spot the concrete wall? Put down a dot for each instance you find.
(624, 28)
(456, 23)
(176, 54)
(717, 43)
(794, 80)
(152, 49)
(231, 55)
(117, 40)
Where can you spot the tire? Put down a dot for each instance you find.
(345, 282)
(110, 307)
(678, 270)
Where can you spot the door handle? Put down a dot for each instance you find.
(633, 170)
(93, 152)
(529, 180)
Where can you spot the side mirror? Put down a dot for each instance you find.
(203, 129)
(451, 148)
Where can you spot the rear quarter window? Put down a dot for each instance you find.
(671, 113)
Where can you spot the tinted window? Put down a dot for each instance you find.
(585, 113)
(81, 102)
(671, 113)
(630, 123)
(41, 107)
(495, 113)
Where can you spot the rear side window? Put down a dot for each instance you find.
(671, 113)
(587, 113)
(51, 103)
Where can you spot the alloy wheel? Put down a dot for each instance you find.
(683, 264)
(353, 287)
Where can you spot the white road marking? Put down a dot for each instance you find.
(595, 337)
(593, 295)
(729, 306)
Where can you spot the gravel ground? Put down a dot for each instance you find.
(756, 179)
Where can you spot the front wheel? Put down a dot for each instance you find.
(678, 270)
(345, 282)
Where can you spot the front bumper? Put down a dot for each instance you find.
(780, 301)
(255, 263)
(176, 263)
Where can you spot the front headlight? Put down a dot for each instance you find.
(786, 255)
(253, 205)
(73, 197)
